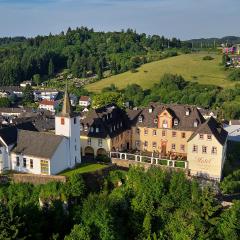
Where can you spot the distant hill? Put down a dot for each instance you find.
(209, 42)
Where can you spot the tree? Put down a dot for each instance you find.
(9, 226)
(28, 96)
(37, 79)
(105, 98)
(51, 68)
(5, 102)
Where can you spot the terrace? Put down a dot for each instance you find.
(171, 160)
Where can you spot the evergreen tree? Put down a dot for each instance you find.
(51, 68)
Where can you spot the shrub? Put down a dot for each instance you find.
(234, 75)
(208, 58)
(103, 158)
(231, 183)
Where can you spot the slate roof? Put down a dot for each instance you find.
(9, 134)
(36, 144)
(177, 111)
(211, 126)
(105, 118)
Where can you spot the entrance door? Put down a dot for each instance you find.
(163, 148)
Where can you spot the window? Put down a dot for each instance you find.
(140, 119)
(155, 120)
(174, 134)
(154, 144)
(164, 133)
(100, 142)
(97, 130)
(0, 151)
(75, 120)
(195, 124)
(62, 121)
(86, 128)
(154, 133)
(145, 131)
(91, 129)
(31, 163)
(89, 141)
(201, 136)
(145, 143)
(137, 130)
(204, 149)
(183, 135)
(81, 127)
(165, 123)
(182, 147)
(17, 161)
(187, 112)
(175, 122)
(209, 137)
(24, 162)
(195, 148)
(137, 144)
(214, 150)
(75, 147)
(173, 146)
(44, 167)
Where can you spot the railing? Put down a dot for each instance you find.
(151, 160)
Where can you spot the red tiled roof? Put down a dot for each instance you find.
(84, 98)
(47, 102)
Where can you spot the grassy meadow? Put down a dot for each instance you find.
(191, 66)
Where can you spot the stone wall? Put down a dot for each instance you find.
(36, 179)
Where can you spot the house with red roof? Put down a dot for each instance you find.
(49, 105)
(85, 101)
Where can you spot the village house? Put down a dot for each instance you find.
(233, 129)
(25, 83)
(50, 105)
(29, 151)
(106, 129)
(166, 131)
(85, 101)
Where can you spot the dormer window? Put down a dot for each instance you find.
(195, 124)
(188, 112)
(150, 110)
(155, 120)
(97, 130)
(175, 122)
(86, 128)
(81, 127)
(91, 129)
(140, 119)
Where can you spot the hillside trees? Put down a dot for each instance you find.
(81, 50)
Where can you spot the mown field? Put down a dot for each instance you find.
(191, 66)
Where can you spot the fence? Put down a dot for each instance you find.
(150, 160)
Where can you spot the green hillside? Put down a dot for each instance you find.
(190, 66)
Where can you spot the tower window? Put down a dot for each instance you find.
(62, 121)
(75, 120)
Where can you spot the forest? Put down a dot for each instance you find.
(152, 205)
(83, 51)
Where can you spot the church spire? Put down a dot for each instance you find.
(66, 109)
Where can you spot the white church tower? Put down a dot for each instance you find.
(67, 124)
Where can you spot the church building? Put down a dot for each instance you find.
(25, 150)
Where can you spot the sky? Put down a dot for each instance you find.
(184, 19)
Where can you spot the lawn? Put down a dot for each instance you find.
(191, 66)
(83, 168)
